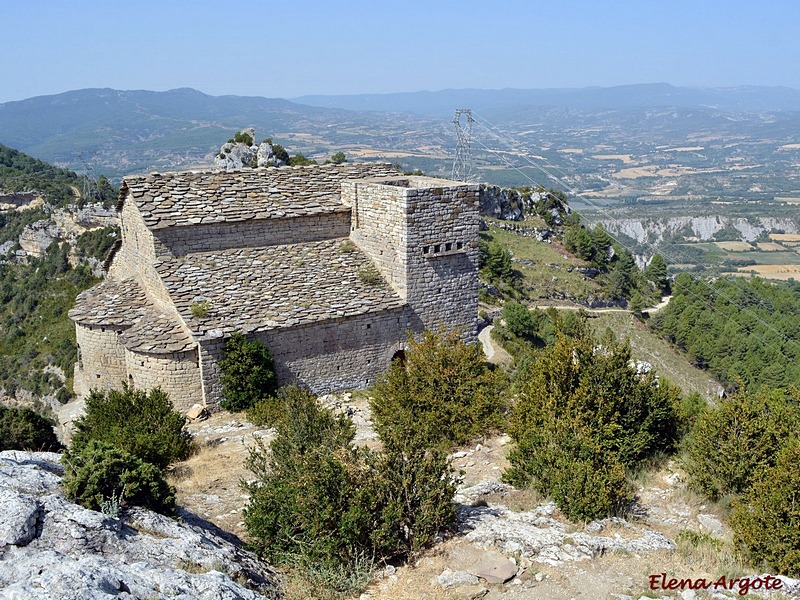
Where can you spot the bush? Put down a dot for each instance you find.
(320, 504)
(568, 464)
(24, 429)
(100, 475)
(582, 417)
(248, 373)
(142, 424)
(767, 520)
(243, 137)
(442, 395)
(519, 320)
(736, 440)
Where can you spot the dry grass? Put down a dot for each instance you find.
(735, 246)
(207, 483)
(785, 237)
(770, 247)
(778, 272)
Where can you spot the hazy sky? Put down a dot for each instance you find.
(288, 48)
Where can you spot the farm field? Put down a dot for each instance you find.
(779, 272)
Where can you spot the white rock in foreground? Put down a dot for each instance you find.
(52, 548)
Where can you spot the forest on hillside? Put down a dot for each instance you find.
(37, 339)
(745, 331)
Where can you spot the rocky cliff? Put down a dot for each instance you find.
(655, 230)
(52, 548)
(65, 225)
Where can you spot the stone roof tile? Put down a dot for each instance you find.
(186, 198)
(124, 305)
(258, 289)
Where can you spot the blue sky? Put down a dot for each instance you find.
(285, 48)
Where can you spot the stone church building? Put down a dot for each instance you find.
(328, 265)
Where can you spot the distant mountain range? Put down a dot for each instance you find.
(128, 131)
(654, 95)
(119, 132)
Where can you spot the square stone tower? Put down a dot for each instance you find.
(422, 234)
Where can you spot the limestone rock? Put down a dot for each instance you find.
(493, 567)
(711, 523)
(52, 548)
(537, 536)
(450, 578)
(197, 413)
(20, 515)
(238, 155)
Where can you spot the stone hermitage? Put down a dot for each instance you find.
(279, 254)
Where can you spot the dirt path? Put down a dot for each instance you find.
(664, 302)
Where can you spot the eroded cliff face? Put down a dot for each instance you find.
(65, 225)
(52, 548)
(656, 230)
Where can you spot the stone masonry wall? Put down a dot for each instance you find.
(379, 227)
(101, 362)
(137, 257)
(443, 225)
(329, 356)
(268, 232)
(423, 235)
(105, 364)
(177, 374)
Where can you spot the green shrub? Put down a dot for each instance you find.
(268, 410)
(200, 309)
(337, 158)
(737, 439)
(100, 474)
(300, 159)
(243, 137)
(582, 417)
(248, 373)
(369, 275)
(140, 423)
(321, 505)
(24, 429)
(567, 464)
(519, 320)
(767, 520)
(442, 395)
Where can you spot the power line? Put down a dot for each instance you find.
(524, 155)
(462, 167)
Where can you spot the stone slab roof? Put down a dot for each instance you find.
(188, 198)
(124, 305)
(258, 289)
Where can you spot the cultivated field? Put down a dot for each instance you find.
(779, 272)
(737, 246)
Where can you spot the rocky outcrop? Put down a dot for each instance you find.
(540, 537)
(240, 154)
(52, 548)
(509, 204)
(655, 230)
(65, 225)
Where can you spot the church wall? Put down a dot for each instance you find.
(101, 359)
(178, 374)
(333, 355)
(269, 232)
(136, 259)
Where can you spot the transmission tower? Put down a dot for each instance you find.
(90, 190)
(462, 167)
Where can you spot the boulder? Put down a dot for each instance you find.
(53, 548)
